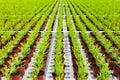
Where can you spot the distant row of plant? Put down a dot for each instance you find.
(13, 12)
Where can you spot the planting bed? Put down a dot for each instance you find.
(60, 40)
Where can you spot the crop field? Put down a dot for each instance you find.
(59, 39)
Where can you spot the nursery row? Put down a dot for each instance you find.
(60, 40)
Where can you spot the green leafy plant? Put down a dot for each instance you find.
(104, 73)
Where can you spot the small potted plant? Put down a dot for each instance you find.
(37, 73)
(104, 73)
(113, 60)
(107, 46)
(59, 71)
(82, 72)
